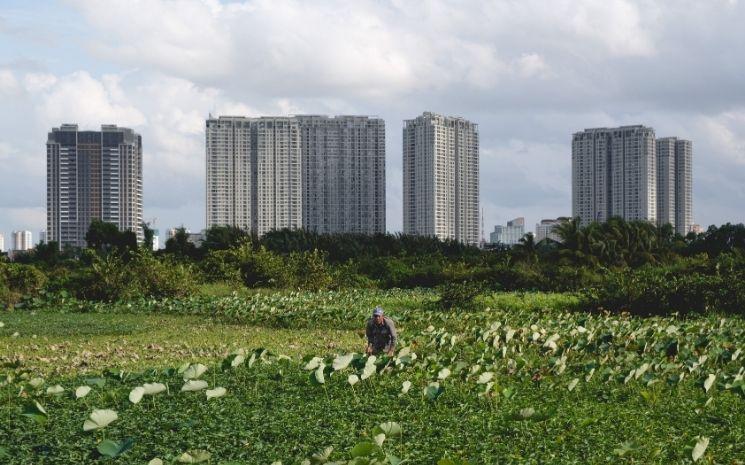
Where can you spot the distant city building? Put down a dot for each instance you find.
(22, 240)
(42, 237)
(343, 174)
(696, 229)
(545, 229)
(92, 175)
(171, 233)
(509, 234)
(626, 172)
(197, 238)
(614, 174)
(156, 240)
(325, 174)
(674, 184)
(2, 243)
(441, 178)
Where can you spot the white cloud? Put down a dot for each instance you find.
(78, 97)
(8, 82)
(38, 82)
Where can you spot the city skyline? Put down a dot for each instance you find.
(71, 62)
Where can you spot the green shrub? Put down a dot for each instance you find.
(309, 270)
(262, 268)
(659, 291)
(459, 295)
(109, 278)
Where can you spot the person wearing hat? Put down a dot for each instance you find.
(381, 334)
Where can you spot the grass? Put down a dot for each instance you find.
(65, 343)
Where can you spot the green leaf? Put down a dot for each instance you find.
(153, 388)
(698, 450)
(214, 393)
(55, 390)
(707, 384)
(82, 391)
(194, 385)
(572, 384)
(485, 377)
(322, 457)
(389, 428)
(135, 396)
(366, 449)
(194, 371)
(99, 418)
(314, 363)
(433, 391)
(342, 361)
(194, 456)
(109, 448)
(35, 411)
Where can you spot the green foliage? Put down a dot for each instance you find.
(659, 291)
(106, 237)
(523, 381)
(459, 295)
(18, 280)
(110, 278)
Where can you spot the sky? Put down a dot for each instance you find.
(529, 72)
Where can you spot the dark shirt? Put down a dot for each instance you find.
(382, 337)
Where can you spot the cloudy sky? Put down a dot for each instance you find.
(529, 72)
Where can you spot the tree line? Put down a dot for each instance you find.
(617, 265)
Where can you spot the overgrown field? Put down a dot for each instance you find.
(267, 378)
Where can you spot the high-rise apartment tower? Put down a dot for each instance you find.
(674, 184)
(441, 177)
(320, 173)
(625, 172)
(93, 175)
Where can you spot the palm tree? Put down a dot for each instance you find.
(526, 249)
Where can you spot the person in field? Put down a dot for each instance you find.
(381, 334)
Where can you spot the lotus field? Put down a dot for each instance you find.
(280, 379)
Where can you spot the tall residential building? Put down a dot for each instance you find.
(43, 236)
(343, 174)
(545, 229)
(2, 244)
(323, 174)
(625, 172)
(509, 234)
(674, 184)
(22, 240)
(614, 173)
(441, 177)
(93, 175)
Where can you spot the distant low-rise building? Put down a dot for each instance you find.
(545, 229)
(696, 229)
(509, 234)
(22, 240)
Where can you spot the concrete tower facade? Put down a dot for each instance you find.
(614, 173)
(343, 161)
(441, 177)
(675, 184)
(324, 174)
(92, 175)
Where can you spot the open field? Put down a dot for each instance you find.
(523, 379)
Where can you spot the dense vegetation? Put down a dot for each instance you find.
(617, 265)
(519, 378)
